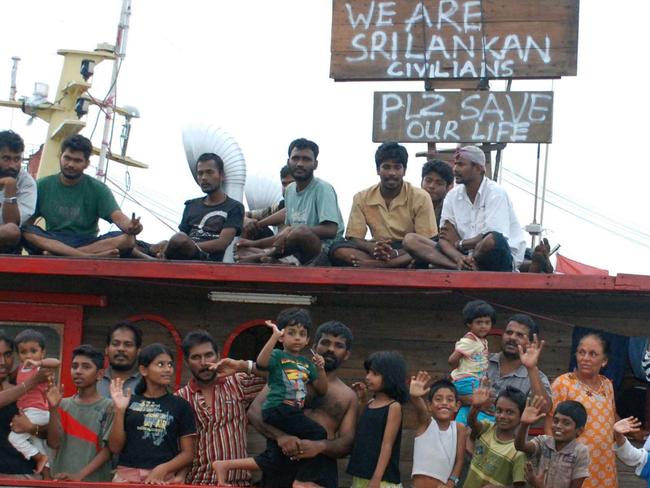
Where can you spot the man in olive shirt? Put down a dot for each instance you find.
(72, 203)
(391, 209)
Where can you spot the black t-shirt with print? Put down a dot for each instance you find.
(11, 461)
(154, 427)
(203, 222)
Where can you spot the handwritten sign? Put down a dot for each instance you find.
(452, 39)
(467, 116)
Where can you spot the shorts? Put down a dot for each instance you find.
(464, 387)
(69, 239)
(278, 471)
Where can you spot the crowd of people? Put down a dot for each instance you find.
(469, 225)
(125, 424)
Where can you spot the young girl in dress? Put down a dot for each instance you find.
(374, 462)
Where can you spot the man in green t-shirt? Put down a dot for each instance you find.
(72, 203)
(313, 218)
(80, 425)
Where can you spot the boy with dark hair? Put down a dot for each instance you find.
(289, 374)
(390, 209)
(562, 461)
(31, 351)
(439, 446)
(496, 461)
(470, 356)
(437, 180)
(80, 425)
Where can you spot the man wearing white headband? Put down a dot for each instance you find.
(480, 230)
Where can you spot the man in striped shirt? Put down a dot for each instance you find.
(219, 399)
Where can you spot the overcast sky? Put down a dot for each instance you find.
(260, 70)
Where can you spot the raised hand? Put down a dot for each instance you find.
(319, 361)
(224, 367)
(361, 390)
(530, 357)
(533, 412)
(277, 333)
(535, 480)
(482, 394)
(134, 226)
(120, 399)
(418, 387)
(627, 425)
(54, 394)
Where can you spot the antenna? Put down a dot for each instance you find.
(120, 51)
(14, 71)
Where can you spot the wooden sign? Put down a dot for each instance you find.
(452, 39)
(466, 116)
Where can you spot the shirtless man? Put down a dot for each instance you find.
(336, 412)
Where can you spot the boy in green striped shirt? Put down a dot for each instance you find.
(496, 462)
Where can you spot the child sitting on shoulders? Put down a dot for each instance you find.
(438, 450)
(496, 462)
(470, 356)
(562, 461)
(33, 404)
(289, 374)
(374, 461)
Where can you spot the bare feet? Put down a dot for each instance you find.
(41, 461)
(111, 253)
(222, 473)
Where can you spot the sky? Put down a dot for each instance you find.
(260, 71)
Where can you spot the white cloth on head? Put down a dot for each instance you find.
(434, 451)
(492, 211)
(26, 444)
(474, 154)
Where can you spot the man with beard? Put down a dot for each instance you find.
(480, 230)
(516, 364)
(123, 343)
(209, 224)
(17, 191)
(391, 209)
(72, 203)
(219, 393)
(313, 218)
(336, 411)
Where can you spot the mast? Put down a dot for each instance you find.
(109, 104)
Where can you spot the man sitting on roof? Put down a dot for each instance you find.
(209, 224)
(17, 191)
(390, 209)
(72, 204)
(313, 219)
(480, 230)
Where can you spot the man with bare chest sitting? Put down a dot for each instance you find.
(336, 411)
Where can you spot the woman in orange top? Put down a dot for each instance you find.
(596, 393)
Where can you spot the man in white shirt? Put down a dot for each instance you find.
(17, 191)
(480, 231)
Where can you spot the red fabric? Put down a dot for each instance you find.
(569, 266)
(73, 427)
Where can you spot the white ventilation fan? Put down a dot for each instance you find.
(262, 191)
(200, 139)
